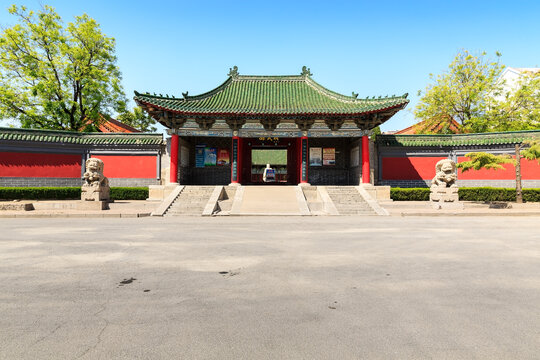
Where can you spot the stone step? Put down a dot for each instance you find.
(185, 212)
(191, 201)
(185, 208)
(194, 193)
(348, 201)
(351, 205)
(178, 210)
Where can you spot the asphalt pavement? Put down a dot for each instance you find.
(270, 288)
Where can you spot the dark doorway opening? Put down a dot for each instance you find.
(280, 153)
(275, 157)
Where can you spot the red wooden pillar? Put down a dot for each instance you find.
(304, 160)
(235, 160)
(174, 159)
(365, 159)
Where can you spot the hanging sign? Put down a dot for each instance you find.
(235, 159)
(304, 159)
(329, 156)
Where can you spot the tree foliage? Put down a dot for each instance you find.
(532, 152)
(138, 119)
(54, 76)
(516, 109)
(483, 160)
(472, 93)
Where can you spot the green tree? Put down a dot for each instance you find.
(54, 76)
(138, 119)
(480, 160)
(519, 108)
(472, 93)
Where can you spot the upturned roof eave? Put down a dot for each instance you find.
(213, 113)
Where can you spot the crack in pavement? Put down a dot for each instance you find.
(98, 337)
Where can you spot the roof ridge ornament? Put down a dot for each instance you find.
(355, 95)
(306, 71)
(185, 94)
(233, 72)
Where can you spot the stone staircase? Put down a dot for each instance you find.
(348, 201)
(191, 201)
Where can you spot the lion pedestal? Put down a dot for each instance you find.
(95, 192)
(444, 191)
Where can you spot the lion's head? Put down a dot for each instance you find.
(445, 166)
(94, 165)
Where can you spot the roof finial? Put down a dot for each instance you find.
(354, 95)
(306, 71)
(185, 95)
(233, 72)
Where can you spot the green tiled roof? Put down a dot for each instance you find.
(82, 138)
(498, 138)
(270, 95)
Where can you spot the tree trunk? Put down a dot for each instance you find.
(519, 193)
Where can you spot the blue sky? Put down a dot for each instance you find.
(369, 47)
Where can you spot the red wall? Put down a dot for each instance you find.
(409, 168)
(125, 166)
(14, 164)
(530, 170)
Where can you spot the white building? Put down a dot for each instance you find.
(512, 77)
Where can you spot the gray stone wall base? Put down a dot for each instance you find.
(46, 181)
(133, 182)
(463, 183)
(39, 181)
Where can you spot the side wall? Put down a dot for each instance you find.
(415, 167)
(40, 169)
(54, 166)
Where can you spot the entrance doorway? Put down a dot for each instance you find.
(280, 153)
(275, 157)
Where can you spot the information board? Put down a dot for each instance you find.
(315, 156)
(210, 156)
(355, 156)
(223, 157)
(199, 155)
(184, 156)
(329, 156)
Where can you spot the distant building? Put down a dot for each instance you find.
(430, 126)
(110, 125)
(512, 77)
(114, 126)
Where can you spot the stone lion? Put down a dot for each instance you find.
(96, 185)
(94, 173)
(445, 174)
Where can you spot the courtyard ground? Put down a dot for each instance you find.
(270, 288)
